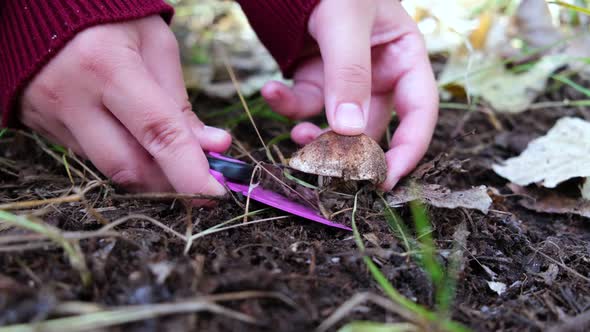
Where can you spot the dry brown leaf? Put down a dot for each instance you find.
(435, 195)
(534, 24)
(546, 201)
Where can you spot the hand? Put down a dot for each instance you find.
(115, 95)
(372, 57)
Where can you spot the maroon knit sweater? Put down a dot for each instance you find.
(32, 32)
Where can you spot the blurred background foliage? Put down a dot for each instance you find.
(480, 45)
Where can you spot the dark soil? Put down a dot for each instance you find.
(543, 259)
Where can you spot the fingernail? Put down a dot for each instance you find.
(217, 189)
(350, 116)
(214, 134)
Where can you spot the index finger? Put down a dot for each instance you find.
(416, 104)
(157, 121)
(342, 29)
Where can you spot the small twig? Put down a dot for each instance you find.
(580, 322)
(189, 227)
(122, 220)
(90, 209)
(71, 248)
(164, 196)
(244, 152)
(232, 75)
(562, 265)
(28, 246)
(54, 155)
(216, 230)
(40, 202)
(251, 187)
(127, 314)
(347, 307)
(47, 201)
(251, 294)
(86, 168)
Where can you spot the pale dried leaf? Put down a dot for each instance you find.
(490, 272)
(460, 236)
(579, 48)
(550, 275)
(498, 287)
(504, 90)
(563, 153)
(586, 189)
(475, 198)
(482, 73)
(161, 270)
(535, 24)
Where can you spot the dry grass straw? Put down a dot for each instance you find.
(94, 317)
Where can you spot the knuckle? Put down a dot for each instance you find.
(91, 59)
(48, 92)
(186, 107)
(98, 55)
(161, 135)
(168, 43)
(354, 74)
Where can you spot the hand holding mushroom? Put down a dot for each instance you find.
(371, 58)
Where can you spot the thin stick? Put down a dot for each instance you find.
(54, 155)
(207, 232)
(40, 202)
(189, 228)
(565, 267)
(251, 187)
(250, 294)
(227, 222)
(347, 307)
(140, 217)
(164, 196)
(71, 248)
(102, 319)
(246, 108)
(86, 168)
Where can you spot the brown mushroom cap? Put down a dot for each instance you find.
(348, 157)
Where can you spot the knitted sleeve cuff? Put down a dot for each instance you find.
(281, 25)
(32, 32)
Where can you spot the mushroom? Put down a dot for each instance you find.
(347, 157)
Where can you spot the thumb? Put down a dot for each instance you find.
(342, 29)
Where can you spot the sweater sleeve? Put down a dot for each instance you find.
(281, 26)
(33, 31)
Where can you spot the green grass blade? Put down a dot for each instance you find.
(252, 103)
(397, 226)
(58, 148)
(71, 248)
(279, 138)
(570, 6)
(368, 326)
(421, 312)
(565, 80)
(298, 180)
(424, 234)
